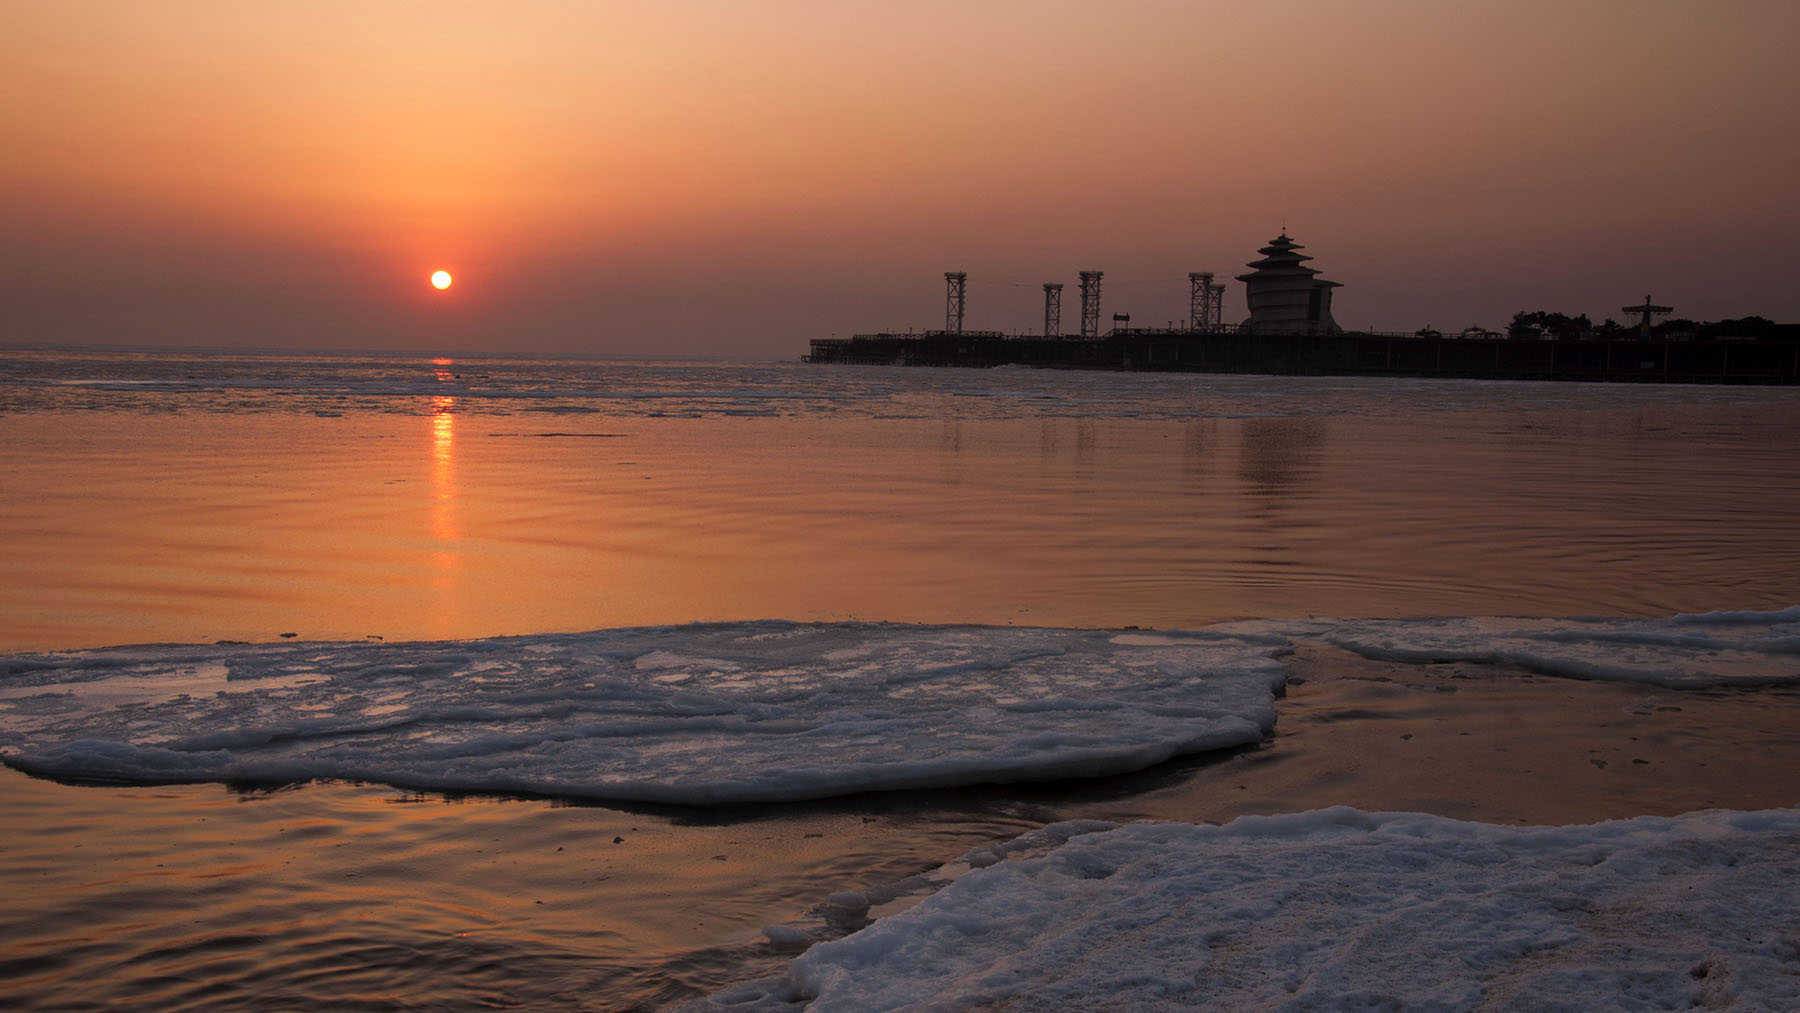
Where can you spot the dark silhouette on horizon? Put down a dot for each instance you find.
(1291, 330)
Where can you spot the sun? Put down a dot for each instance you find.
(440, 280)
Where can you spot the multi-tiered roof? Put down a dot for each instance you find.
(1281, 260)
(1286, 296)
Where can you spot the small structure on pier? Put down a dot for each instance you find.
(1285, 296)
(1647, 312)
(1053, 309)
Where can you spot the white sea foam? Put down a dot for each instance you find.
(702, 715)
(1340, 909)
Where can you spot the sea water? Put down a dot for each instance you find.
(212, 496)
(393, 516)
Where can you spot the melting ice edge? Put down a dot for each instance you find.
(715, 714)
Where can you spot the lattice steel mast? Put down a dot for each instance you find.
(1206, 302)
(954, 283)
(1090, 303)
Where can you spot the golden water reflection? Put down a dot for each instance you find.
(446, 532)
(443, 469)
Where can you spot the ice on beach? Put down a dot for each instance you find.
(1341, 909)
(702, 715)
(1691, 651)
(766, 711)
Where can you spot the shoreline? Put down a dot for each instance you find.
(651, 906)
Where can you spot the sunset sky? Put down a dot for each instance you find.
(735, 178)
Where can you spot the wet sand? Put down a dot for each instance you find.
(339, 894)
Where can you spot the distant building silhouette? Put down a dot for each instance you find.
(1648, 313)
(1291, 333)
(1285, 296)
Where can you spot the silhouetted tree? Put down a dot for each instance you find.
(1531, 324)
(1540, 323)
(1757, 328)
(1526, 325)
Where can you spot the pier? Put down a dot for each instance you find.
(1348, 353)
(1291, 332)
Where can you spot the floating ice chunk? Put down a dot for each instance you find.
(746, 712)
(1683, 652)
(1346, 909)
(707, 714)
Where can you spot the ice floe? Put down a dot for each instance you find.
(1682, 652)
(707, 714)
(1340, 909)
(767, 711)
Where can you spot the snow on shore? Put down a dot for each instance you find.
(1341, 909)
(701, 715)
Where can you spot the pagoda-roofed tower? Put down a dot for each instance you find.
(1285, 296)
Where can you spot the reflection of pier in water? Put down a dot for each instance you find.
(1279, 454)
(1279, 464)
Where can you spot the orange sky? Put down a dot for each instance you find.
(734, 178)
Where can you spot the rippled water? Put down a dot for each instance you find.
(205, 496)
(360, 897)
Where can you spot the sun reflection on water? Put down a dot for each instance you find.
(443, 455)
(446, 533)
(443, 468)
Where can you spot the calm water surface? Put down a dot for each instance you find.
(241, 497)
(205, 496)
